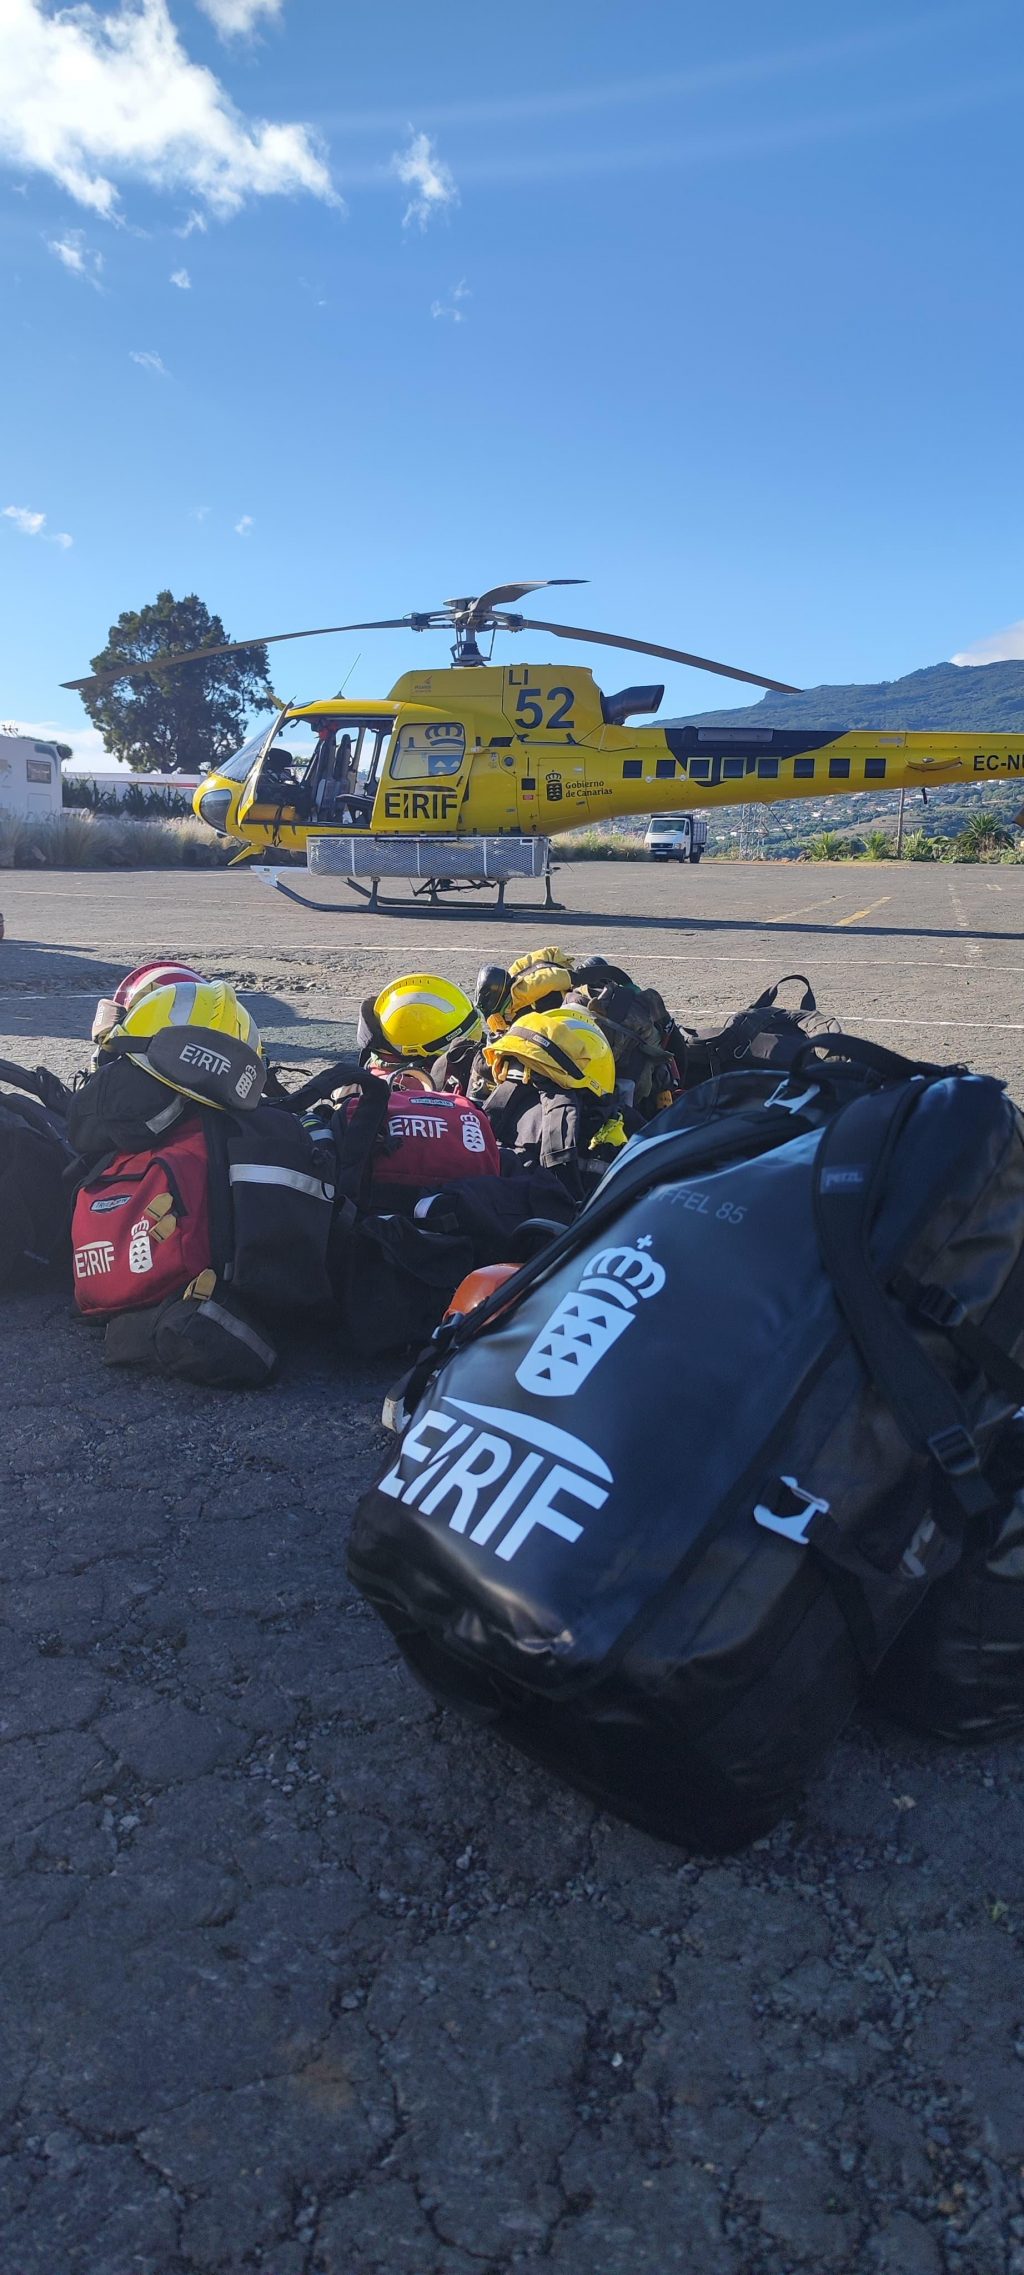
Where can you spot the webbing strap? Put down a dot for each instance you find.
(849, 1174)
(984, 1346)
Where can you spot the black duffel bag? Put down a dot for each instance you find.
(766, 1034)
(36, 1165)
(673, 1492)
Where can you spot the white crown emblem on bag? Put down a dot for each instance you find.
(585, 1324)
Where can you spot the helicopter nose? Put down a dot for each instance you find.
(212, 807)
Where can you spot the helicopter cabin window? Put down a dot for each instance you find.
(427, 748)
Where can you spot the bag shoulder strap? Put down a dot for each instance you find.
(39, 1082)
(857, 1051)
(849, 1175)
(355, 1138)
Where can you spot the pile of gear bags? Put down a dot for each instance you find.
(714, 1423)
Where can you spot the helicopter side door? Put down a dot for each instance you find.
(275, 799)
(425, 776)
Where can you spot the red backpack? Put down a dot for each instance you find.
(425, 1139)
(141, 1226)
(250, 1197)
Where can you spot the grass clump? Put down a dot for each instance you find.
(81, 840)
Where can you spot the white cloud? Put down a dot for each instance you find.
(451, 307)
(92, 99)
(243, 527)
(150, 361)
(423, 171)
(24, 519)
(194, 221)
(32, 524)
(234, 18)
(182, 279)
(76, 255)
(199, 513)
(996, 648)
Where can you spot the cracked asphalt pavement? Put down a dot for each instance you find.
(302, 1976)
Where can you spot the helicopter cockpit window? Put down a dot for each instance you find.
(428, 747)
(235, 769)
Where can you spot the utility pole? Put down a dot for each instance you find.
(899, 827)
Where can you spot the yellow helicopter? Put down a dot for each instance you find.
(475, 750)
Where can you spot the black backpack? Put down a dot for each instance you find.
(648, 1048)
(766, 1034)
(36, 1164)
(667, 1499)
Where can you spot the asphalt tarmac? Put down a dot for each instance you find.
(307, 1978)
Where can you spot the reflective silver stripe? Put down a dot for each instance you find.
(184, 1003)
(264, 1351)
(170, 1113)
(266, 1173)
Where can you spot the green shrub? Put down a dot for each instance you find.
(827, 846)
(878, 846)
(918, 846)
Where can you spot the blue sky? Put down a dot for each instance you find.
(329, 312)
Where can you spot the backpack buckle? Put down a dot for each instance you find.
(795, 1511)
(955, 1451)
(943, 1309)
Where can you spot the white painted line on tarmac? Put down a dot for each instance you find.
(859, 912)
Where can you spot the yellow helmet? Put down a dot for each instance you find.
(197, 1039)
(192, 1003)
(544, 971)
(563, 1045)
(421, 1016)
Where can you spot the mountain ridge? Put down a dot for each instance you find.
(940, 698)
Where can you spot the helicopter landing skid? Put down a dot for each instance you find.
(430, 890)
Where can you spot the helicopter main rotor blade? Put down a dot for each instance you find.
(500, 595)
(171, 661)
(648, 648)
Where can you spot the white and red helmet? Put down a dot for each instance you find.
(110, 1010)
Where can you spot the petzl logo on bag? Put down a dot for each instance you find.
(586, 1324)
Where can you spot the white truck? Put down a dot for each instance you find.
(676, 837)
(30, 783)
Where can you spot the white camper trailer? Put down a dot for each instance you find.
(30, 783)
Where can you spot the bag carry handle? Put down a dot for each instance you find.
(343, 1073)
(849, 1175)
(808, 1001)
(39, 1082)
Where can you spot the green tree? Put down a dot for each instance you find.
(175, 722)
(878, 846)
(984, 833)
(827, 846)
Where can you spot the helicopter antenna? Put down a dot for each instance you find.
(347, 677)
